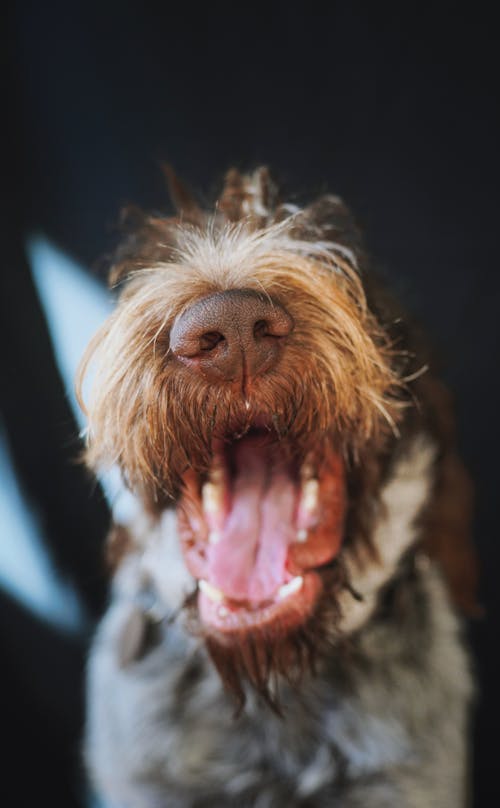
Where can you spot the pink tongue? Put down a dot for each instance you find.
(248, 562)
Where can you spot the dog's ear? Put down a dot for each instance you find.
(252, 197)
(329, 219)
(449, 533)
(146, 241)
(182, 199)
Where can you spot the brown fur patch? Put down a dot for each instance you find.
(119, 544)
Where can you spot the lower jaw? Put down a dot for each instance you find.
(275, 618)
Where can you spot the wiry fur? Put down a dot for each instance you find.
(373, 690)
(145, 412)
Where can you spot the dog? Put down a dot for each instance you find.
(284, 625)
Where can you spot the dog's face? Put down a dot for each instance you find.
(244, 380)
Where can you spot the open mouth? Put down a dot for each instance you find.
(256, 530)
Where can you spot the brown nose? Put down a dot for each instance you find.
(231, 335)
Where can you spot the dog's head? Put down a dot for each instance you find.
(247, 379)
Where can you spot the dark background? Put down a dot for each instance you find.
(393, 107)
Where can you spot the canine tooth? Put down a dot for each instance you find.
(222, 611)
(211, 497)
(214, 536)
(211, 591)
(301, 535)
(292, 586)
(310, 490)
(216, 476)
(307, 468)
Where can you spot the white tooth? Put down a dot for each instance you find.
(211, 498)
(292, 586)
(222, 611)
(217, 476)
(214, 536)
(310, 490)
(301, 536)
(211, 591)
(307, 471)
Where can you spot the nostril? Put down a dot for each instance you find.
(261, 329)
(277, 323)
(210, 340)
